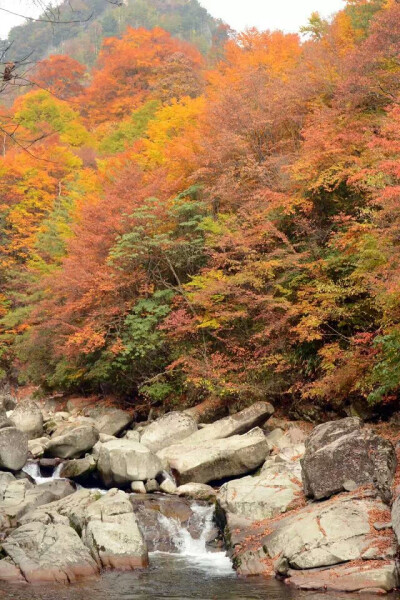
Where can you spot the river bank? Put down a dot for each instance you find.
(87, 490)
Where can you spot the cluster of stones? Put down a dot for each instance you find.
(314, 511)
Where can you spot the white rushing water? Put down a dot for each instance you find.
(33, 470)
(194, 549)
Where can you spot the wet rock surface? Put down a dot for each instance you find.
(310, 509)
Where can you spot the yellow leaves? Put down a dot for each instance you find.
(43, 114)
(330, 355)
(172, 122)
(308, 329)
(209, 323)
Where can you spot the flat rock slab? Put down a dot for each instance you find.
(167, 430)
(236, 424)
(73, 443)
(113, 422)
(275, 491)
(21, 496)
(217, 459)
(375, 577)
(320, 535)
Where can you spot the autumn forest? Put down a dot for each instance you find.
(185, 216)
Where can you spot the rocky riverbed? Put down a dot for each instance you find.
(86, 491)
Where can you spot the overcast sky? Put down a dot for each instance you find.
(288, 15)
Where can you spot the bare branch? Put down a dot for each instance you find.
(45, 20)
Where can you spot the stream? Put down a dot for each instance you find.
(193, 571)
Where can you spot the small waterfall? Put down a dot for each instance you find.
(194, 548)
(202, 521)
(33, 470)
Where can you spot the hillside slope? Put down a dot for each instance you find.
(82, 40)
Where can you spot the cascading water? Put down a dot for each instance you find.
(194, 548)
(33, 470)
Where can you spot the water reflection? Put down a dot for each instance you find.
(172, 577)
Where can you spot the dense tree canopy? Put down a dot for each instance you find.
(185, 227)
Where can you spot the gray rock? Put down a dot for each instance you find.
(236, 424)
(322, 535)
(21, 496)
(341, 451)
(395, 517)
(38, 446)
(13, 449)
(197, 491)
(7, 401)
(49, 553)
(104, 437)
(73, 443)
(275, 491)
(9, 572)
(168, 486)
(152, 486)
(114, 421)
(134, 436)
(138, 487)
(123, 461)
(379, 579)
(217, 459)
(28, 418)
(5, 420)
(167, 430)
(79, 469)
(71, 510)
(73, 422)
(112, 533)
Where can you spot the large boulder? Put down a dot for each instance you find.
(20, 496)
(79, 469)
(13, 449)
(167, 430)
(112, 533)
(236, 424)
(340, 455)
(275, 491)
(320, 535)
(113, 422)
(217, 459)
(123, 461)
(49, 553)
(71, 510)
(73, 443)
(28, 417)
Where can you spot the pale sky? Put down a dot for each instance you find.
(288, 15)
